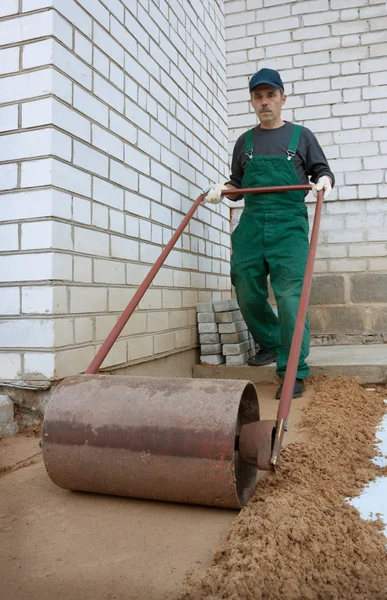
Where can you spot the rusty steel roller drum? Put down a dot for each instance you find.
(154, 438)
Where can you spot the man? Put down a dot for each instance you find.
(272, 235)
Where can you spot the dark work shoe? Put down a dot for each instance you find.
(299, 388)
(263, 357)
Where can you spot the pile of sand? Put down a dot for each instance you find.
(298, 538)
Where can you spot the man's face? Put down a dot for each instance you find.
(267, 102)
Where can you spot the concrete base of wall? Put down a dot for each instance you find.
(173, 365)
(368, 363)
(34, 401)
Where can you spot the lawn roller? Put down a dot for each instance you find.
(173, 439)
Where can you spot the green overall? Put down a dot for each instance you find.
(272, 239)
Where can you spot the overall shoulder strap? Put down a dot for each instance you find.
(294, 139)
(249, 145)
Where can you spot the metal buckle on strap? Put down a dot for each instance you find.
(249, 154)
(291, 154)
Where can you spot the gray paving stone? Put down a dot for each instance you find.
(208, 328)
(240, 359)
(206, 349)
(225, 305)
(203, 307)
(228, 316)
(208, 317)
(234, 338)
(234, 349)
(213, 359)
(209, 338)
(232, 327)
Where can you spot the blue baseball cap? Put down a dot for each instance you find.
(268, 76)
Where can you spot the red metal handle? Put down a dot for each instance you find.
(118, 327)
(295, 348)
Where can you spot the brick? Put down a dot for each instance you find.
(90, 106)
(73, 361)
(327, 289)
(164, 342)
(107, 142)
(212, 359)
(348, 265)
(8, 117)
(100, 216)
(108, 271)
(91, 242)
(359, 149)
(39, 365)
(140, 347)
(108, 193)
(30, 143)
(53, 172)
(135, 325)
(379, 319)
(9, 60)
(88, 299)
(152, 300)
(362, 250)
(63, 334)
(90, 159)
(27, 267)
(9, 7)
(123, 37)
(109, 93)
(50, 110)
(83, 47)
(338, 319)
(101, 63)
(9, 237)
(172, 299)
(364, 177)
(368, 287)
(209, 338)
(10, 301)
(36, 83)
(122, 247)
(240, 359)
(183, 338)
(350, 108)
(23, 333)
(10, 366)
(123, 175)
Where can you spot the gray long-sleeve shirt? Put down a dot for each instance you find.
(309, 161)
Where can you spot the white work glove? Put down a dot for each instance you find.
(323, 183)
(213, 192)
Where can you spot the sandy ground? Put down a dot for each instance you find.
(65, 545)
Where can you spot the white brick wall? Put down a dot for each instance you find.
(107, 115)
(332, 59)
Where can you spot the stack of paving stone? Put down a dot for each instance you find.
(223, 334)
(236, 340)
(209, 337)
